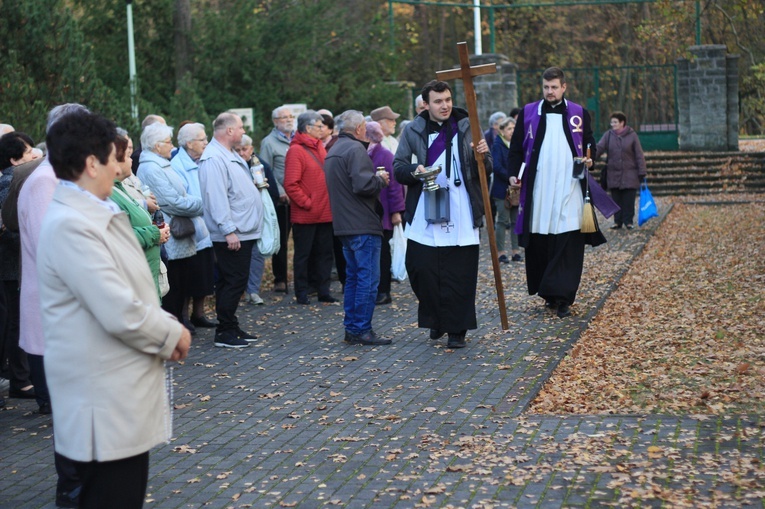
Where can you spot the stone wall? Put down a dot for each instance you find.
(707, 90)
(494, 92)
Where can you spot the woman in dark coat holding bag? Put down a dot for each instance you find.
(625, 167)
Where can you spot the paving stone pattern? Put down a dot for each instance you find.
(301, 419)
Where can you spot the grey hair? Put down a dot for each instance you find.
(122, 132)
(307, 118)
(188, 132)
(276, 111)
(246, 141)
(496, 117)
(151, 119)
(224, 121)
(153, 134)
(62, 110)
(5, 129)
(348, 121)
(506, 122)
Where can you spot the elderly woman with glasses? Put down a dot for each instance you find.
(175, 201)
(192, 141)
(311, 215)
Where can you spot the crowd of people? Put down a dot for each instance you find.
(109, 251)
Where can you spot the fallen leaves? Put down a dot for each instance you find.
(684, 332)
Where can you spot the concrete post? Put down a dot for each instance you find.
(708, 99)
(494, 92)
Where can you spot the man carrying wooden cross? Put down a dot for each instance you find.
(442, 250)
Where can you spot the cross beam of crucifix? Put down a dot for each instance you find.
(466, 74)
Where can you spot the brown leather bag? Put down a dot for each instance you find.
(513, 197)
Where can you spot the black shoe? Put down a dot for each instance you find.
(302, 299)
(203, 322)
(327, 298)
(504, 259)
(2, 402)
(250, 338)
(551, 304)
(563, 310)
(616, 226)
(312, 292)
(629, 226)
(383, 298)
(456, 340)
(368, 338)
(281, 287)
(436, 334)
(44, 409)
(517, 258)
(229, 339)
(68, 498)
(22, 394)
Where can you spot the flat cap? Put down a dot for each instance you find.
(384, 112)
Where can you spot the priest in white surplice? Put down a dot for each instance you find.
(442, 250)
(549, 134)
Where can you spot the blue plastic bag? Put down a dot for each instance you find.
(647, 205)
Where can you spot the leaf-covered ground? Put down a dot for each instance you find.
(684, 332)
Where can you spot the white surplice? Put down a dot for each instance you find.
(558, 199)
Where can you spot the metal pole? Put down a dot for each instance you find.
(492, 42)
(477, 26)
(392, 35)
(131, 62)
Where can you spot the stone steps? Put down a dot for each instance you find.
(678, 173)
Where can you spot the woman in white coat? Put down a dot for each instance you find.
(106, 337)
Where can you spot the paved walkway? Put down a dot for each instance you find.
(301, 419)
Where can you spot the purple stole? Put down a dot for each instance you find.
(574, 122)
(439, 144)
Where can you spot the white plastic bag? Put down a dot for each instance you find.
(398, 254)
(269, 243)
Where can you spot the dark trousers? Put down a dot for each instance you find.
(279, 260)
(68, 479)
(313, 255)
(340, 262)
(179, 276)
(233, 272)
(625, 198)
(444, 280)
(554, 265)
(385, 263)
(119, 484)
(12, 355)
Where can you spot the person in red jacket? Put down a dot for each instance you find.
(311, 215)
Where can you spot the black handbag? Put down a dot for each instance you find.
(182, 227)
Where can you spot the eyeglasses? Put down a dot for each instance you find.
(200, 139)
(315, 125)
(289, 117)
(165, 141)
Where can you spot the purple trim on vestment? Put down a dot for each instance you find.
(532, 113)
(439, 144)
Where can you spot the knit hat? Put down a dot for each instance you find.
(384, 112)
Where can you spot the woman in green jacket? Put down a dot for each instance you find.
(149, 236)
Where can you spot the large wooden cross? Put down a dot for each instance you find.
(466, 73)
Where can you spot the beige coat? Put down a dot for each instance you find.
(105, 334)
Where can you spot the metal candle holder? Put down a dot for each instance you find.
(428, 178)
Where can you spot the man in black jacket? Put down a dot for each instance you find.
(442, 225)
(354, 190)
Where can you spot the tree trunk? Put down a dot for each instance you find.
(182, 40)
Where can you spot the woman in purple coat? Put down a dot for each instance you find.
(392, 199)
(625, 165)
